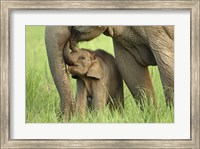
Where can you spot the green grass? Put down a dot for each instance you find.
(42, 99)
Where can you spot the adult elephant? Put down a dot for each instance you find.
(136, 48)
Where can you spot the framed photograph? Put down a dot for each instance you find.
(31, 109)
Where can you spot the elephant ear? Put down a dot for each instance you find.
(96, 70)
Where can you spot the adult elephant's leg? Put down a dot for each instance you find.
(165, 62)
(55, 39)
(162, 46)
(134, 74)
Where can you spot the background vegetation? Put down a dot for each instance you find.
(42, 99)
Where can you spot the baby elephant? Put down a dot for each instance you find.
(98, 79)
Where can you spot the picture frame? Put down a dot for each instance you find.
(8, 6)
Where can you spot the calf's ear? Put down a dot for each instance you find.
(96, 70)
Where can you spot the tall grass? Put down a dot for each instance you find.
(42, 99)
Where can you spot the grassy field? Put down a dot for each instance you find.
(42, 100)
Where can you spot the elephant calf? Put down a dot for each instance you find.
(98, 79)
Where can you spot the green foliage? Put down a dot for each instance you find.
(42, 99)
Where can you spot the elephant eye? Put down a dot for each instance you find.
(82, 57)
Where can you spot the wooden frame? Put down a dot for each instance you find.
(193, 6)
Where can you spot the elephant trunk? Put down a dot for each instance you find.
(67, 54)
(55, 39)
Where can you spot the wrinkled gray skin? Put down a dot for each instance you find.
(136, 48)
(55, 39)
(98, 79)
